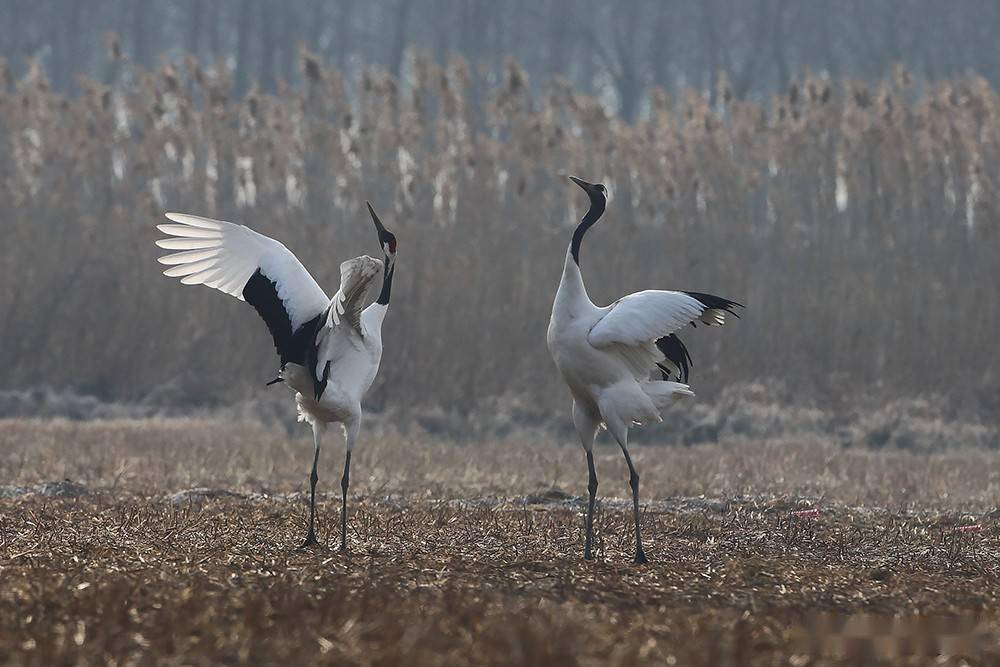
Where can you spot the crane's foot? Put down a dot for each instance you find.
(640, 557)
(310, 540)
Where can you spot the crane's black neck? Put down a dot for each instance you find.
(597, 205)
(390, 268)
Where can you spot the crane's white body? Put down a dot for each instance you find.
(330, 348)
(355, 357)
(610, 379)
(616, 359)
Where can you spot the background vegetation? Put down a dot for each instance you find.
(857, 222)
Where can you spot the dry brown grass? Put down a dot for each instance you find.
(471, 555)
(150, 457)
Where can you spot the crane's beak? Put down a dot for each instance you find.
(379, 227)
(589, 188)
(386, 239)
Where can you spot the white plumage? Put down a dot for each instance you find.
(329, 349)
(355, 278)
(617, 360)
(644, 317)
(224, 256)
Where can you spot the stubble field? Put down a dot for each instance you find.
(174, 541)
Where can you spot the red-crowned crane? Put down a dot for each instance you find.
(329, 349)
(618, 360)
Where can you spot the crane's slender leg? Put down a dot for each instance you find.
(345, 481)
(351, 430)
(313, 478)
(588, 554)
(620, 433)
(586, 428)
(633, 481)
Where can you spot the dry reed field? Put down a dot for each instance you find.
(857, 222)
(132, 541)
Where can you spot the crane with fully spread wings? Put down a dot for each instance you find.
(329, 349)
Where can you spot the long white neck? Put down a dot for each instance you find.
(372, 317)
(375, 313)
(571, 297)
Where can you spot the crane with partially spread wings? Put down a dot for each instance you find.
(623, 363)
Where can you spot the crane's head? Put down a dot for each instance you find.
(596, 191)
(598, 200)
(386, 239)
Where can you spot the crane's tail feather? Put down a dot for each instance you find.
(665, 393)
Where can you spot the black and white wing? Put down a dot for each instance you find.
(647, 321)
(646, 316)
(251, 267)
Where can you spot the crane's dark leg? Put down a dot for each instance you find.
(633, 481)
(313, 478)
(345, 481)
(586, 427)
(592, 488)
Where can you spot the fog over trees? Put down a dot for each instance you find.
(615, 49)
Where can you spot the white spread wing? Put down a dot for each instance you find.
(644, 317)
(227, 257)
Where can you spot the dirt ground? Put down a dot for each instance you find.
(131, 542)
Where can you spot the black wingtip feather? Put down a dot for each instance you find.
(716, 302)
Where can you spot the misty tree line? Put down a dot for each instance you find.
(857, 222)
(616, 49)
